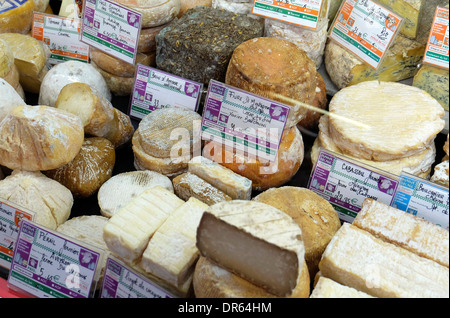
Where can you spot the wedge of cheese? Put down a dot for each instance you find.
(256, 242)
(405, 230)
(172, 251)
(410, 11)
(434, 81)
(400, 63)
(234, 185)
(358, 259)
(128, 231)
(328, 288)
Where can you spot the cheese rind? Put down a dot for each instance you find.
(410, 11)
(128, 231)
(154, 12)
(172, 252)
(327, 288)
(9, 98)
(16, 16)
(255, 241)
(358, 259)
(433, 80)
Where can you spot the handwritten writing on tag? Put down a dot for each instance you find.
(346, 184)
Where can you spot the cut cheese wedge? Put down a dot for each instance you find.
(389, 120)
(255, 241)
(405, 230)
(358, 259)
(172, 252)
(434, 80)
(328, 288)
(222, 178)
(128, 231)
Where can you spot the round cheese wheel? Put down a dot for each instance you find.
(68, 72)
(16, 16)
(118, 85)
(9, 98)
(147, 39)
(213, 281)
(154, 12)
(262, 173)
(90, 168)
(117, 191)
(48, 199)
(316, 217)
(277, 69)
(389, 120)
(37, 138)
(161, 129)
(311, 118)
(188, 4)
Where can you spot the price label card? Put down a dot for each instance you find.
(243, 121)
(304, 13)
(437, 49)
(121, 282)
(155, 89)
(111, 28)
(62, 36)
(10, 217)
(346, 184)
(48, 265)
(366, 29)
(423, 198)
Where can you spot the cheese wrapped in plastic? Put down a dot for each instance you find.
(16, 16)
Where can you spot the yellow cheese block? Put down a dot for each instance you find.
(434, 81)
(15, 16)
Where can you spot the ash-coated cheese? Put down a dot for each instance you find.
(405, 230)
(36, 138)
(48, 199)
(198, 46)
(224, 179)
(154, 12)
(433, 80)
(328, 288)
(358, 259)
(399, 63)
(128, 231)
(171, 252)
(68, 72)
(123, 187)
(411, 116)
(246, 237)
(16, 16)
(9, 98)
(270, 67)
(418, 164)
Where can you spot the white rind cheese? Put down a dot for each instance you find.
(255, 241)
(128, 231)
(328, 288)
(358, 259)
(172, 252)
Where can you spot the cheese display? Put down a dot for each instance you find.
(91, 167)
(434, 81)
(128, 231)
(37, 138)
(224, 179)
(413, 120)
(316, 217)
(405, 230)
(246, 236)
(399, 63)
(9, 98)
(48, 199)
(16, 16)
(171, 252)
(154, 13)
(419, 164)
(271, 67)
(68, 72)
(213, 281)
(327, 288)
(311, 41)
(203, 36)
(117, 191)
(263, 173)
(188, 185)
(357, 259)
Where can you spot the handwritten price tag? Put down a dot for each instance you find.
(366, 29)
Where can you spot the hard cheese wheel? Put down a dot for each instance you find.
(154, 12)
(271, 67)
(16, 16)
(37, 138)
(391, 120)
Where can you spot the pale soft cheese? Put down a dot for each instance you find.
(128, 231)
(328, 288)
(172, 252)
(255, 241)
